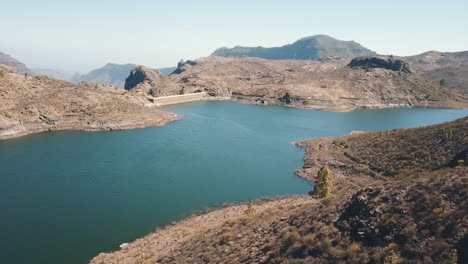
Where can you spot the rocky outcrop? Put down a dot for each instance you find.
(152, 82)
(36, 104)
(374, 62)
(183, 66)
(319, 47)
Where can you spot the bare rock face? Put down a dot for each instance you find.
(373, 62)
(151, 81)
(144, 79)
(183, 66)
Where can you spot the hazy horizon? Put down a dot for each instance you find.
(81, 36)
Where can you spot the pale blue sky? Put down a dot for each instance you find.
(82, 35)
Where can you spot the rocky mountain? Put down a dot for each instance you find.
(110, 74)
(36, 104)
(144, 79)
(452, 67)
(335, 85)
(19, 67)
(318, 47)
(399, 196)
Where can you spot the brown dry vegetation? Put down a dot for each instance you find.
(408, 212)
(36, 104)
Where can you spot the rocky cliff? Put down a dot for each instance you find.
(36, 104)
(374, 62)
(150, 81)
(415, 214)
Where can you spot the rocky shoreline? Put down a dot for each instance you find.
(31, 105)
(374, 185)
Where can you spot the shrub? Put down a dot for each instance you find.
(309, 239)
(250, 209)
(353, 248)
(392, 258)
(291, 238)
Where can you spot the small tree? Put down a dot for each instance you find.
(452, 258)
(442, 83)
(324, 184)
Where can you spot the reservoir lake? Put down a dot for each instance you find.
(67, 196)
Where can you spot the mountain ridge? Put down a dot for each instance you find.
(317, 47)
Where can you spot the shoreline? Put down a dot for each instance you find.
(298, 103)
(36, 127)
(25, 128)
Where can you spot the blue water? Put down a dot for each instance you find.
(67, 196)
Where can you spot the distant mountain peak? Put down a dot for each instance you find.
(317, 47)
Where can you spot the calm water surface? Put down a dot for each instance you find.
(66, 196)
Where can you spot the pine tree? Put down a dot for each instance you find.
(324, 184)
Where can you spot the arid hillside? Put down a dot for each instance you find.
(384, 207)
(36, 104)
(451, 67)
(334, 85)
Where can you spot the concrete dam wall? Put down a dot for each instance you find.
(179, 99)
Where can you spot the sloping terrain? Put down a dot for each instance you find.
(318, 47)
(35, 104)
(452, 67)
(415, 214)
